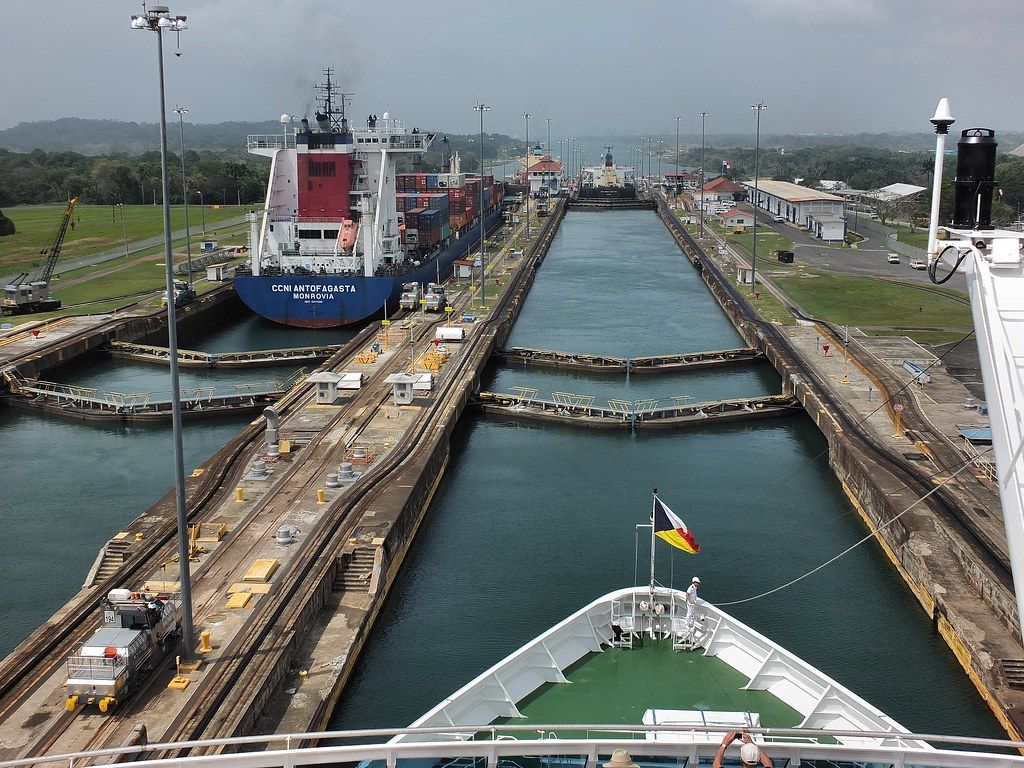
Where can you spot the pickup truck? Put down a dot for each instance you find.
(918, 264)
(893, 258)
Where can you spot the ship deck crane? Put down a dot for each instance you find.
(23, 296)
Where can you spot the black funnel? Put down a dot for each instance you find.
(975, 178)
(323, 122)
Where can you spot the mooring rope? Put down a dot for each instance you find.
(849, 549)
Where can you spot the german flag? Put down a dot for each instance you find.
(670, 528)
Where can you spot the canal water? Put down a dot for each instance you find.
(532, 522)
(69, 486)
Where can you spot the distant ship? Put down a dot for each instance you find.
(608, 182)
(342, 230)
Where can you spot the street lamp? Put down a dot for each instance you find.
(678, 182)
(548, 121)
(124, 228)
(158, 19)
(529, 184)
(181, 112)
(202, 210)
(757, 149)
(703, 116)
(481, 108)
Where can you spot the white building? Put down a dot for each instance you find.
(799, 205)
(737, 217)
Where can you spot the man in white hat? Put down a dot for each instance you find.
(692, 601)
(750, 753)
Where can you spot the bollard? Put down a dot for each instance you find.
(303, 674)
(204, 641)
(320, 496)
(239, 494)
(273, 449)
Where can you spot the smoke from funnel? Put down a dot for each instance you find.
(975, 178)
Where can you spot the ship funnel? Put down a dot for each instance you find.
(975, 178)
(323, 121)
(305, 125)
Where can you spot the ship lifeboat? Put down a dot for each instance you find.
(347, 235)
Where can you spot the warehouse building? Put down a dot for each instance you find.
(819, 212)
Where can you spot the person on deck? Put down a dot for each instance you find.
(750, 753)
(692, 601)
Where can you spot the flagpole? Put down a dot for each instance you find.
(655, 501)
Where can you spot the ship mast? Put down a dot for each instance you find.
(328, 92)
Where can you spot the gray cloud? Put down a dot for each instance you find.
(594, 67)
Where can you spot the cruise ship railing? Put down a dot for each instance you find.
(693, 744)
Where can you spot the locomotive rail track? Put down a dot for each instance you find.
(40, 657)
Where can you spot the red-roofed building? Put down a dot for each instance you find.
(545, 173)
(683, 181)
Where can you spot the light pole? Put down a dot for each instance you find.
(181, 112)
(124, 228)
(158, 19)
(202, 210)
(481, 108)
(529, 184)
(678, 182)
(661, 151)
(757, 150)
(548, 121)
(703, 117)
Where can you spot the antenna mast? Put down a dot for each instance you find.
(328, 92)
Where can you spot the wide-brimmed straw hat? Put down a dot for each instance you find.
(620, 759)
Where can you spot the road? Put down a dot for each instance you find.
(868, 258)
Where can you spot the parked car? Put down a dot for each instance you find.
(893, 258)
(778, 218)
(918, 264)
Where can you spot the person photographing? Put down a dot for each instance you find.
(750, 753)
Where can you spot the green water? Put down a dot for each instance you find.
(69, 486)
(530, 523)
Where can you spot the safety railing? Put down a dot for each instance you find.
(269, 141)
(589, 744)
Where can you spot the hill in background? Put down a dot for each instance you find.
(105, 137)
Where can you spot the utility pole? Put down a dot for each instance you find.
(481, 108)
(678, 182)
(757, 149)
(158, 19)
(181, 112)
(529, 184)
(703, 117)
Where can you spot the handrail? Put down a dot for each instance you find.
(454, 747)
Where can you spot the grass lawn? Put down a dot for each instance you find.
(768, 241)
(770, 308)
(95, 228)
(927, 338)
(864, 301)
(918, 238)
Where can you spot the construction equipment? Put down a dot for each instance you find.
(183, 294)
(23, 296)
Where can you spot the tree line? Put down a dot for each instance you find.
(863, 168)
(47, 177)
(213, 177)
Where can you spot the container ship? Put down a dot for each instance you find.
(342, 230)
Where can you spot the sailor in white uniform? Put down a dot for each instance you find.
(692, 601)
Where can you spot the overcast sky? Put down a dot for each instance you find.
(822, 66)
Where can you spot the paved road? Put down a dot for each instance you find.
(867, 259)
